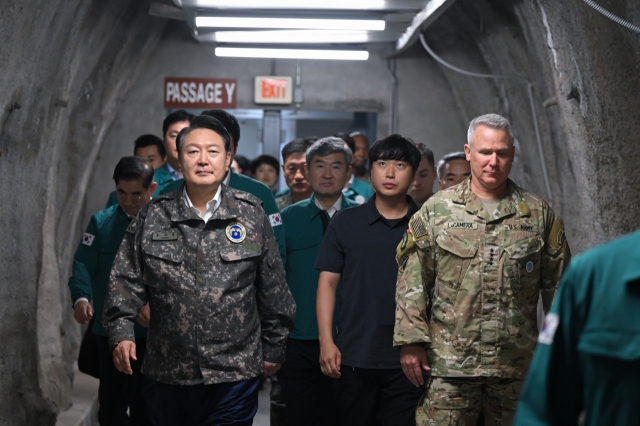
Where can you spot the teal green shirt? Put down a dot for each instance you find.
(588, 353)
(93, 260)
(360, 191)
(304, 238)
(161, 176)
(260, 190)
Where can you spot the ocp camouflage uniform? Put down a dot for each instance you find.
(484, 272)
(218, 308)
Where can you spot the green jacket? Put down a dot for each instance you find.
(360, 191)
(484, 272)
(161, 176)
(260, 190)
(588, 354)
(304, 238)
(93, 260)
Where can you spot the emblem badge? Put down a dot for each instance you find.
(360, 199)
(236, 232)
(529, 266)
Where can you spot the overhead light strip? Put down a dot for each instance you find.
(294, 4)
(290, 23)
(291, 36)
(342, 55)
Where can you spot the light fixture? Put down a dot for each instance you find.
(289, 4)
(290, 36)
(290, 23)
(344, 55)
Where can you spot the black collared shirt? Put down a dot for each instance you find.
(361, 245)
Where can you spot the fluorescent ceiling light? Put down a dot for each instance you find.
(292, 36)
(345, 55)
(295, 4)
(290, 23)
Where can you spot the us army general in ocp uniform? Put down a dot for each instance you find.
(220, 308)
(484, 262)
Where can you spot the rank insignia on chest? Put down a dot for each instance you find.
(236, 232)
(165, 236)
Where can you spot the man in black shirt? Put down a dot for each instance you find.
(359, 247)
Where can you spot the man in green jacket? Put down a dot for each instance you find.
(241, 182)
(96, 252)
(170, 169)
(305, 389)
(588, 355)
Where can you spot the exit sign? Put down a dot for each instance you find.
(273, 90)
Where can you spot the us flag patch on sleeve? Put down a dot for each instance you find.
(87, 240)
(275, 219)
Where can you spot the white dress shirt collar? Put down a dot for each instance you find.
(212, 205)
(334, 209)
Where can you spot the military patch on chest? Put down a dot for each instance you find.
(527, 228)
(132, 226)
(418, 226)
(462, 225)
(510, 227)
(165, 236)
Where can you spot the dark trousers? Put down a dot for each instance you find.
(369, 397)
(234, 403)
(119, 392)
(306, 391)
(277, 415)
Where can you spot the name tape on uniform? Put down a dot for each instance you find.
(462, 225)
(165, 236)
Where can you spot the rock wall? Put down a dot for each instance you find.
(65, 68)
(584, 69)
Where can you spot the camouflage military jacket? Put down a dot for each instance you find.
(483, 273)
(284, 200)
(219, 302)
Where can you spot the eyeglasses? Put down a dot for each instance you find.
(125, 196)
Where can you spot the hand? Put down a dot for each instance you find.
(144, 316)
(413, 359)
(83, 312)
(330, 360)
(126, 349)
(270, 368)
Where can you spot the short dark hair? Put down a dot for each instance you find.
(348, 140)
(298, 145)
(204, 122)
(327, 146)
(229, 121)
(425, 152)
(460, 155)
(176, 117)
(150, 140)
(395, 147)
(265, 159)
(243, 163)
(134, 168)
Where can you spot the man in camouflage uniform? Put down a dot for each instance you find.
(483, 251)
(206, 259)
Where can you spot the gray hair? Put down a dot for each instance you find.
(460, 155)
(327, 146)
(493, 121)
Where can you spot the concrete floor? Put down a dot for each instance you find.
(84, 411)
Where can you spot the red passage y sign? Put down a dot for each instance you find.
(185, 92)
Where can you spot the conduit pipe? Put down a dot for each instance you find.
(506, 77)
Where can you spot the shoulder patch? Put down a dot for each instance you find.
(405, 248)
(418, 226)
(132, 226)
(87, 239)
(275, 219)
(245, 196)
(549, 328)
(556, 236)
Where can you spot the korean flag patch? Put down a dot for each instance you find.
(275, 219)
(87, 240)
(549, 329)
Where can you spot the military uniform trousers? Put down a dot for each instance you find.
(119, 392)
(458, 401)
